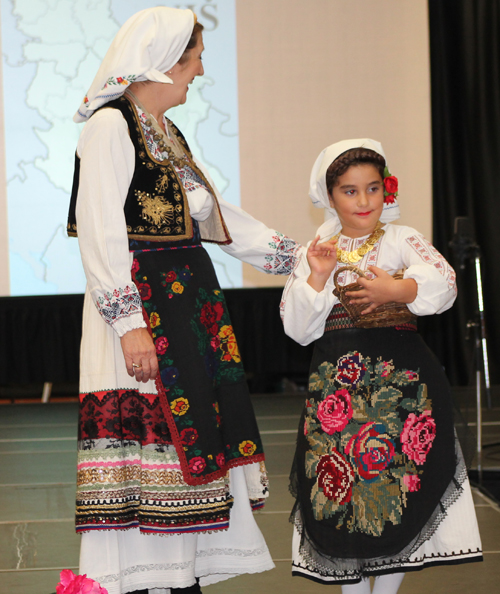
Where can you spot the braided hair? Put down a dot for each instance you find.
(355, 156)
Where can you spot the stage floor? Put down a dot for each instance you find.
(37, 489)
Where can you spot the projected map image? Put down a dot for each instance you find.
(51, 52)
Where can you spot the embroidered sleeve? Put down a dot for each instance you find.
(282, 259)
(288, 286)
(435, 278)
(429, 255)
(303, 310)
(265, 249)
(119, 304)
(107, 165)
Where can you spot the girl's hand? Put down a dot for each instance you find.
(140, 354)
(383, 289)
(322, 259)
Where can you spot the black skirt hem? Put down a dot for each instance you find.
(406, 569)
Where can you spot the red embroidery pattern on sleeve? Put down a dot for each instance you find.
(283, 259)
(429, 255)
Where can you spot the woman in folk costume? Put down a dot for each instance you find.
(380, 482)
(170, 460)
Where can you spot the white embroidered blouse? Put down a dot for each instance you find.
(107, 162)
(304, 311)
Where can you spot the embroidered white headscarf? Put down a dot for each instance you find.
(317, 187)
(147, 46)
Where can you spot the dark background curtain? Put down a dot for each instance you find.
(465, 82)
(40, 340)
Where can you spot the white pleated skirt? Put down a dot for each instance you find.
(124, 561)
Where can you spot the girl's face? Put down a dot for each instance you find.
(358, 198)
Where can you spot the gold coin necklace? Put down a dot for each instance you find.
(357, 254)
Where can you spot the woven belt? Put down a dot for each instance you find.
(339, 319)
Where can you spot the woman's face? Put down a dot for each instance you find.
(358, 198)
(183, 74)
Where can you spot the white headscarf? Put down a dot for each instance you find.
(147, 45)
(317, 186)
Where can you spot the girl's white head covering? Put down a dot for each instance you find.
(317, 187)
(147, 45)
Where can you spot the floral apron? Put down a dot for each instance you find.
(375, 453)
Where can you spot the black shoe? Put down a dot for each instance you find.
(194, 589)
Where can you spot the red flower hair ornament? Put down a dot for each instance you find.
(390, 187)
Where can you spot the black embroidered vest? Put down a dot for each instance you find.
(156, 208)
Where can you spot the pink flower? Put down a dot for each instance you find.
(388, 369)
(220, 459)
(412, 482)
(335, 411)
(77, 584)
(161, 345)
(197, 464)
(418, 435)
(411, 375)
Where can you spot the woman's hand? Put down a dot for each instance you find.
(383, 289)
(140, 354)
(322, 258)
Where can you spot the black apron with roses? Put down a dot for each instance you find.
(202, 388)
(376, 449)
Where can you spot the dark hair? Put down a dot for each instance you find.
(355, 156)
(193, 40)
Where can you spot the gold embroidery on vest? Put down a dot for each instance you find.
(155, 209)
(162, 183)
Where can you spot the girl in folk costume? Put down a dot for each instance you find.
(170, 461)
(379, 479)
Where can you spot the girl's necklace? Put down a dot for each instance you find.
(357, 254)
